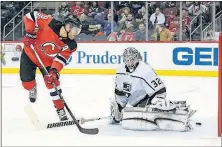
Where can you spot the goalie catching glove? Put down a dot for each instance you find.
(115, 112)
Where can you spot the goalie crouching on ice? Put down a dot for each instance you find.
(140, 102)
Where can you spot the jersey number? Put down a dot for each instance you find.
(156, 82)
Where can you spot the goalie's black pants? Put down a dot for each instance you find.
(147, 100)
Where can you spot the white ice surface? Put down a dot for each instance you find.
(88, 96)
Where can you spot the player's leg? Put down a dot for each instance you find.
(27, 76)
(58, 103)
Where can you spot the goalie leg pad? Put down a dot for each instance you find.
(143, 119)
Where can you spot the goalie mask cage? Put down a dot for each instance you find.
(220, 87)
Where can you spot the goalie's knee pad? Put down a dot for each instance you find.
(150, 119)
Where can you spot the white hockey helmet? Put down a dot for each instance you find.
(131, 57)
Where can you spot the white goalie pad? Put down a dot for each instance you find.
(152, 119)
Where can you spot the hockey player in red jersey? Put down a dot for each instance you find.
(54, 42)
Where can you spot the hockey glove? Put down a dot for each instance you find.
(53, 76)
(115, 112)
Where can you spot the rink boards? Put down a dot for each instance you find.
(168, 59)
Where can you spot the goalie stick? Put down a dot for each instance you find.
(81, 129)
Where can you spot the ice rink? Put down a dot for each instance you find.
(88, 96)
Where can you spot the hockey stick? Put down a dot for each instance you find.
(69, 123)
(82, 130)
(83, 120)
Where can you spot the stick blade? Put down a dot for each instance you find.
(33, 117)
(90, 131)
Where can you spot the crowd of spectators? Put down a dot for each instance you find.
(9, 9)
(130, 19)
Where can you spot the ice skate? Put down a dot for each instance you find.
(33, 95)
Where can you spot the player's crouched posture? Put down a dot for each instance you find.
(54, 42)
(140, 102)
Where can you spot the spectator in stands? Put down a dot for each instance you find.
(218, 7)
(94, 27)
(186, 23)
(113, 37)
(125, 21)
(140, 35)
(138, 20)
(127, 34)
(63, 10)
(107, 25)
(186, 19)
(85, 24)
(157, 18)
(77, 9)
(124, 4)
(94, 9)
(123, 13)
(187, 4)
(196, 8)
(135, 6)
(117, 7)
(174, 27)
(91, 27)
(86, 6)
(170, 19)
(172, 7)
(162, 34)
(142, 12)
(152, 8)
(4, 14)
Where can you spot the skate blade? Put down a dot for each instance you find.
(33, 117)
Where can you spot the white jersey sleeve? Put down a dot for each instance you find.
(151, 82)
(118, 81)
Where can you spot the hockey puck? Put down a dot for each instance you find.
(198, 123)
